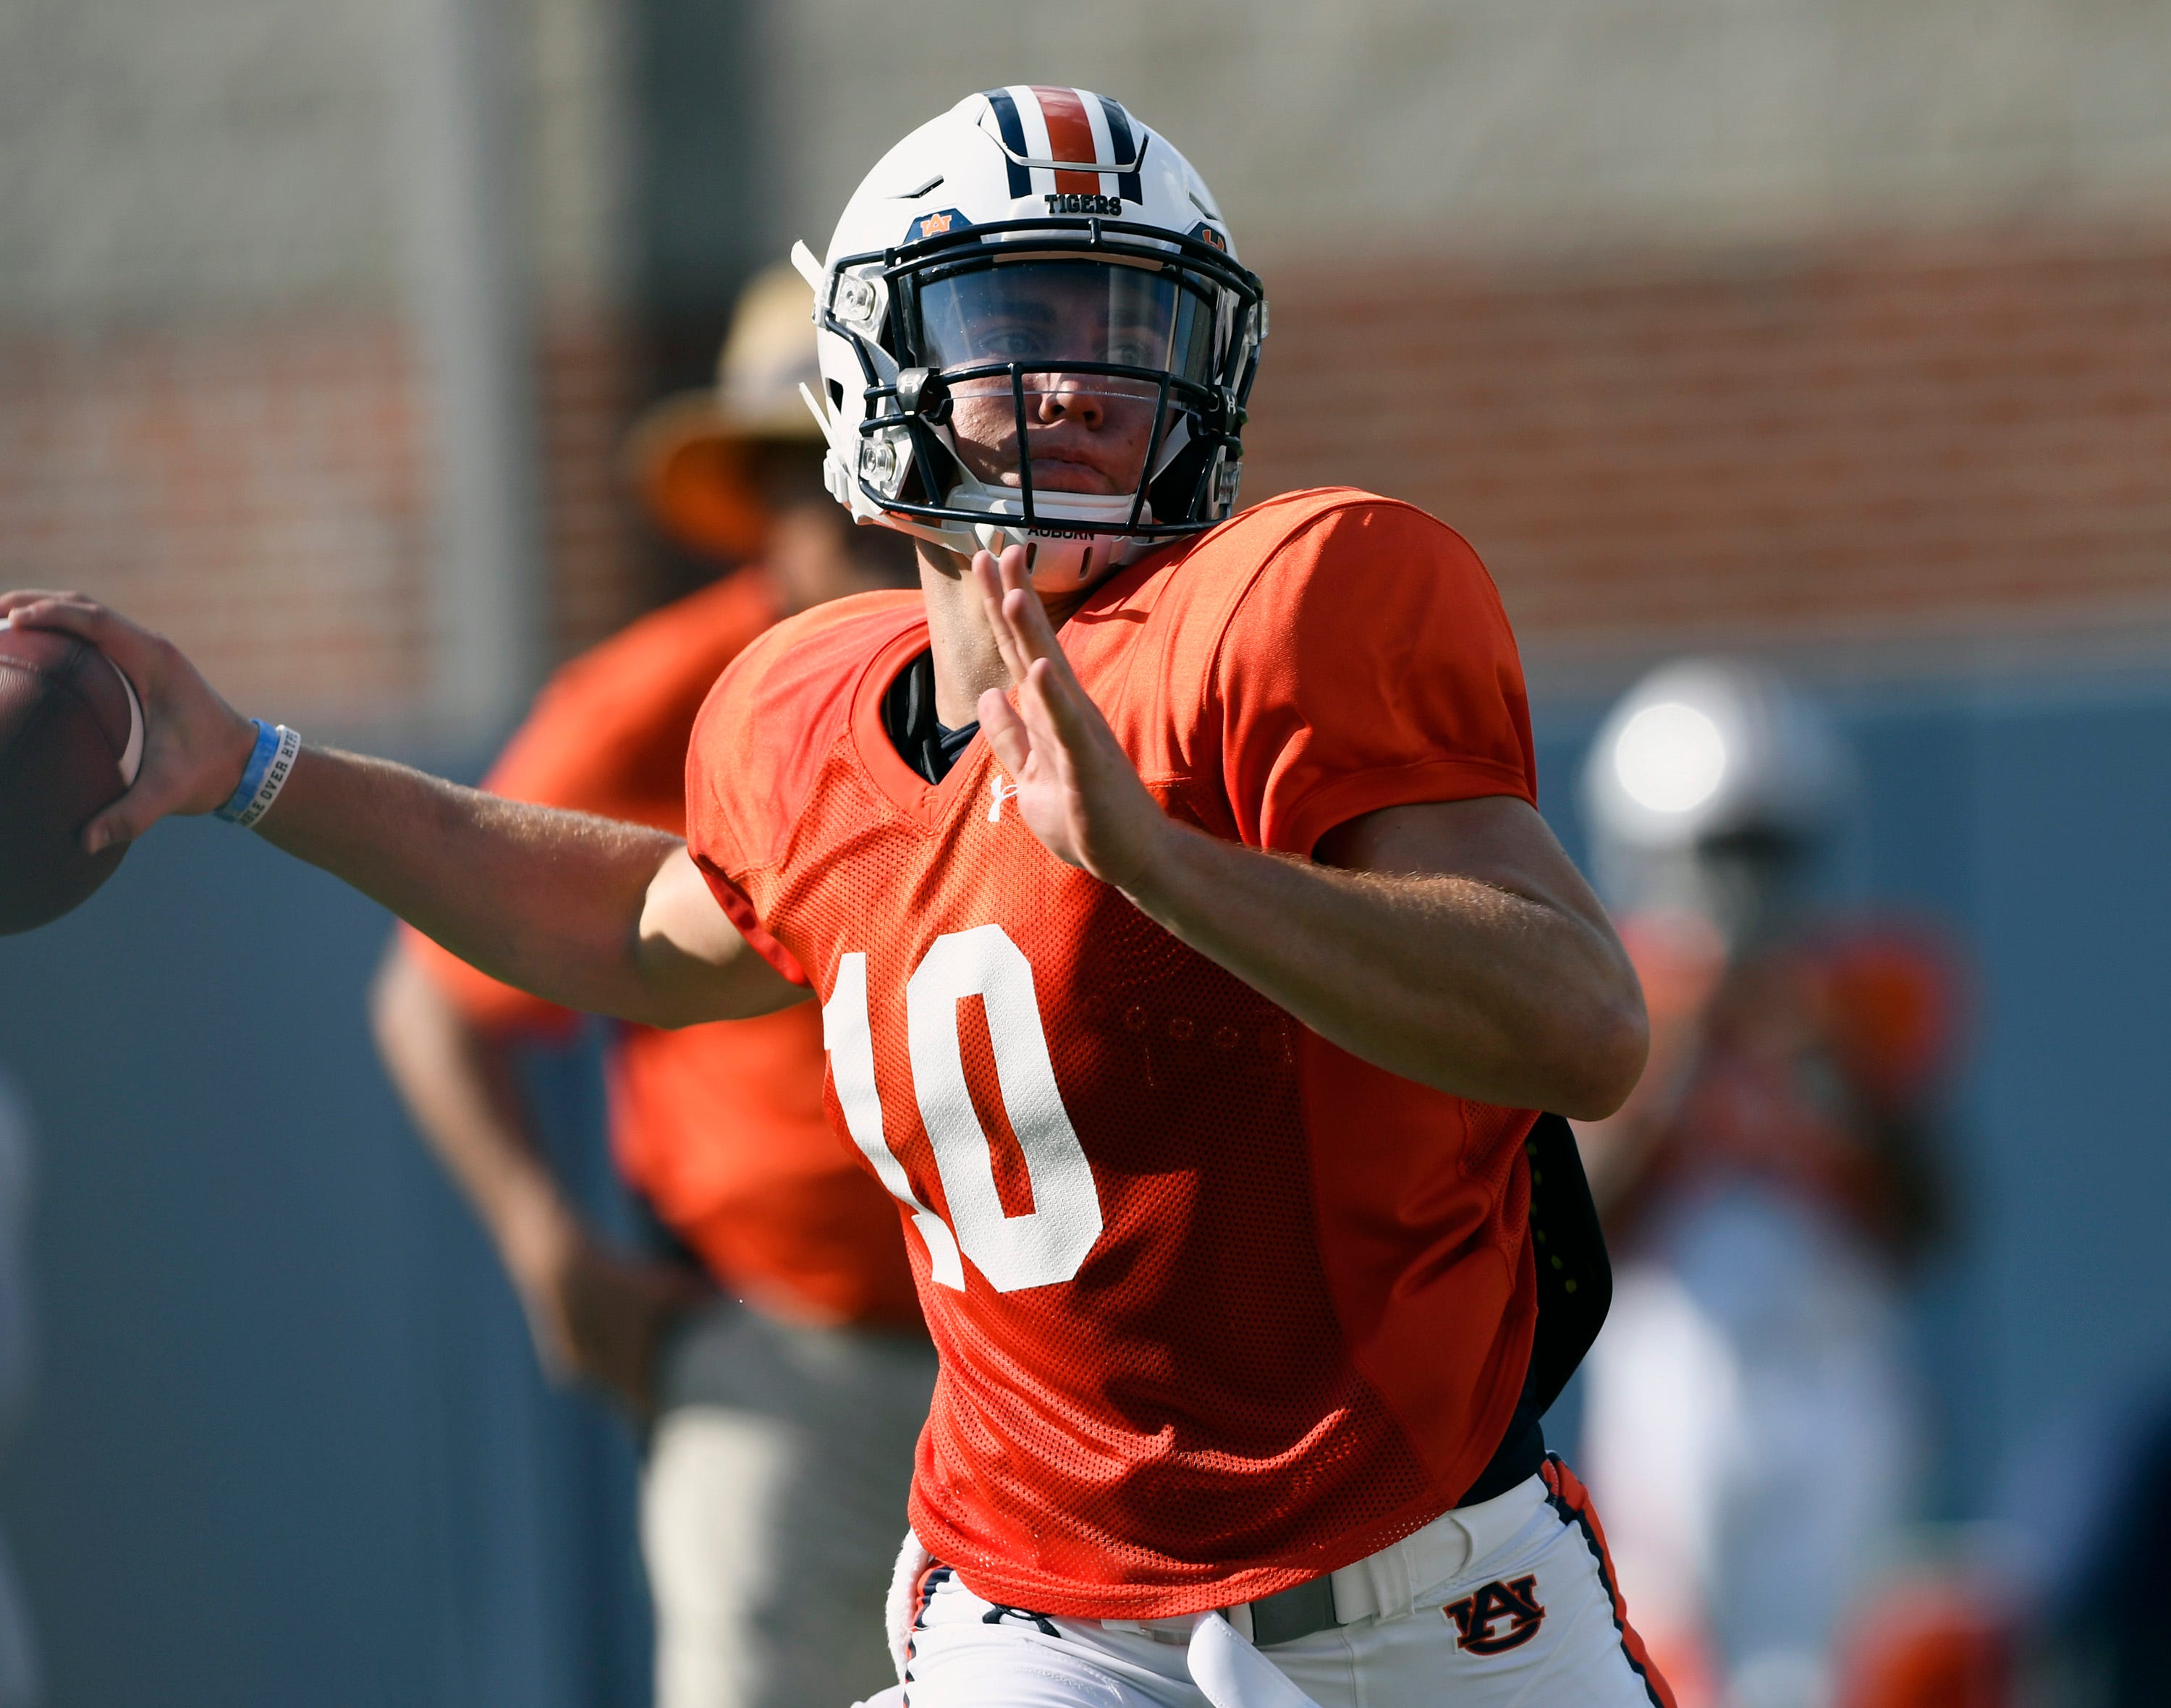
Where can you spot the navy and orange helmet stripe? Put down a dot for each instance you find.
(1078, 157)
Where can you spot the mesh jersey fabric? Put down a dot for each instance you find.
(1304, 1323)
(721, 1127)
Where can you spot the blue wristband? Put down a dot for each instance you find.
(271, 763)
(252, 774)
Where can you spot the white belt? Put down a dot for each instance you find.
(1385, 1585)
(1232, 1673)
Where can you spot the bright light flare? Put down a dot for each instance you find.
(1670, 758)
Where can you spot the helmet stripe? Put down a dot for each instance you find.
(1104, 149)
(1070, 137)
(1121, 150)
(1013, 133)
(1033, 123)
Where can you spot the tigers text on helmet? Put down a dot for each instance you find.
(1034, 330)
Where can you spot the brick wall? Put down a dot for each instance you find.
(601, 575)
(263, 493)
(256, 493)
(1896, 445)
(1865, 443)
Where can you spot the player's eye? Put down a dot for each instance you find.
(1011, 341)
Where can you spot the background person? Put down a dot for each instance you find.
(786, 1384)
(1750, 1424)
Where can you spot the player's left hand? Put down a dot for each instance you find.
(1077, 789)
(597, 1316)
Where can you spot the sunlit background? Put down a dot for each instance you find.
(1835, 333)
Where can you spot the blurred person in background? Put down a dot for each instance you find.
(783, 1379)
(19, 1686)
(1751, 1428)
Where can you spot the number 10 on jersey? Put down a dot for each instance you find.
(1037, 1249)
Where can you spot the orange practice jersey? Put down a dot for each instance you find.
(1220, 1307)
(1814, 1065)
(722, 1127)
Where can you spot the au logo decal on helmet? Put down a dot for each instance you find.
(939, 224)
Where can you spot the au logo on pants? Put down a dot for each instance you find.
(1477, 1616)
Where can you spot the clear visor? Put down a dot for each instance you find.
(1060, 312)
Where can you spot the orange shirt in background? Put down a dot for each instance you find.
(1814, 1064)
(721, 1127)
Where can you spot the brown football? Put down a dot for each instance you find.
(71, 735)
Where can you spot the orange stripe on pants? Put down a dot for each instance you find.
(1571, 1499)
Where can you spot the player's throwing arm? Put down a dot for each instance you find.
(598, 915)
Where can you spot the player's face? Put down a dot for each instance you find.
(1084, 433)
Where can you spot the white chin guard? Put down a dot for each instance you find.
(1062, 562)
(1061, 565)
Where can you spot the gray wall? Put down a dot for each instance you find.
(1412, 126)
(228, 156)
(287, 1442)
(208, 159)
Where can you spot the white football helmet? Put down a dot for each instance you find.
(1703, 760)
(1031, 240)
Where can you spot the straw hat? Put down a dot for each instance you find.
(687, 455)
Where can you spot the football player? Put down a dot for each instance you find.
(1750, 1420)
(782, 1410)
(1192, 959)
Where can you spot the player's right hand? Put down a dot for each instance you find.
(195, 746)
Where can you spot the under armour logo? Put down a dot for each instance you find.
(1475, 1616)
(1003, 790)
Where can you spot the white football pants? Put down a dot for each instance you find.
(769, 1499)
(1750, 1429)
(1531, 1621)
